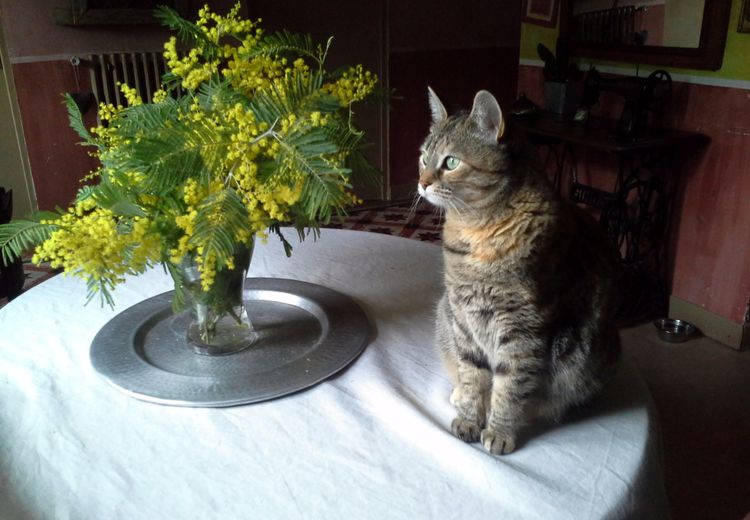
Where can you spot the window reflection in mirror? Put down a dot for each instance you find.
(669, 23)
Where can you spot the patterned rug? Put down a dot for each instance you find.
(418, 221)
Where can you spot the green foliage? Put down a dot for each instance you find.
(276, 229)
(116, 199)
(76, 120)
(170, 155)
(218, 94)
(323, 192)
(254, 136)
(287, 44)
(187, 31)
(221, 218)
(137, 120)
(22, 235)
(178, 278)
(101, 287)
(296, 94)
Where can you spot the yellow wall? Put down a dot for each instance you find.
(532, 35)
(12, 175)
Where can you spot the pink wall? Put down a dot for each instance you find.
(710, 228)
(57, 164)
(712, 235)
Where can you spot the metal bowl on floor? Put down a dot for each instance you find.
(674, 331)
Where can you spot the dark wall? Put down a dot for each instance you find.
(359, 34)
(457, 48)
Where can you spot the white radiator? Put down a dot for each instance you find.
(140, 70)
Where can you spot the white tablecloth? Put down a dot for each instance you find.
(372, 442)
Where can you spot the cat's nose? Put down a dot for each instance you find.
(424, 183)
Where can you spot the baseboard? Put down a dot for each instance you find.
(730, 333)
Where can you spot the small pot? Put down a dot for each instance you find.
(674, 331)
(563, 97)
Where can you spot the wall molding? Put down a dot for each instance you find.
(728, 332)
(644, 71)
(67, 57)
(36, 59)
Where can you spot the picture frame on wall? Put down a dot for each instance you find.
(543, 12)
(744, 24)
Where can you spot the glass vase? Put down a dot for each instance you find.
(219, 323)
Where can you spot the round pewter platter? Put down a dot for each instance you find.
(306, 333)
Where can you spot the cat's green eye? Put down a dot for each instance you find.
(423, 158)
(451, 163)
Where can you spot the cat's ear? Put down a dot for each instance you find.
(488, 116)
(436, 107)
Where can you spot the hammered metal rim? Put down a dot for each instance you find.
(345, 331)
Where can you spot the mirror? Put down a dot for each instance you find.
(677, 33)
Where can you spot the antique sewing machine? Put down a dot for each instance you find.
(633, 205)
(643, 97)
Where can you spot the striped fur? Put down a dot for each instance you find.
(526, 325)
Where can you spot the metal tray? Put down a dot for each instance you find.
(306, 334)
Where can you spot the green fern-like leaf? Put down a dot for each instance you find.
(116, 199)
(19, 236)
(169, 155)
(283, 43)
(171, 82)
(362, 170)
(187, 31)
(304, 151)
(76, 119)
(276, 229)
(217, 95)
(346, 137)
(178, 299)
(84, 192)
(221, 217)
(142, 119)
(101, 287)
(298, 94)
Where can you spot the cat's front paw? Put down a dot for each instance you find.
(498, 443)
(466, 430)
(456, 397)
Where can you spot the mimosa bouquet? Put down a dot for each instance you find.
(261, 136)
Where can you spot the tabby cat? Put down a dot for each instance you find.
(526, 324)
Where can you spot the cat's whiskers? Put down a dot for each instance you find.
(413, 208)
(461, 208)
(453, 206)
(439, 213)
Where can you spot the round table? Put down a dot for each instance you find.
(373, 441)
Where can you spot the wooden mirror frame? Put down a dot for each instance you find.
(709, 54)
